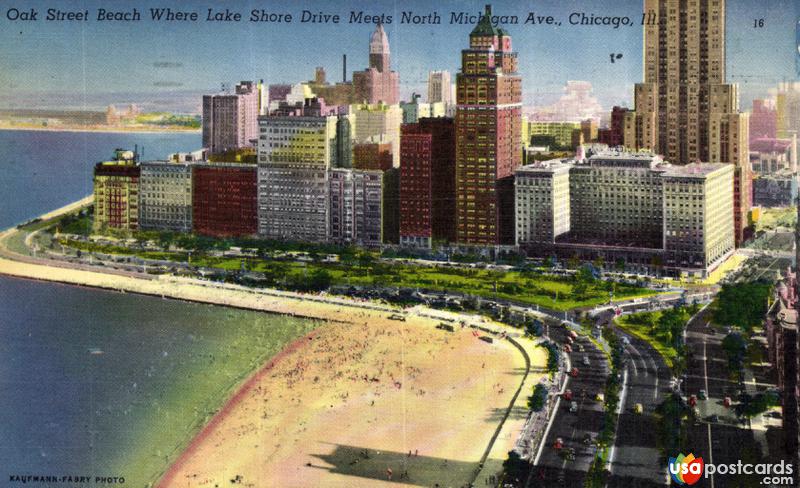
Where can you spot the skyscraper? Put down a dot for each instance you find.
(427, 182)
(684, 109)
(378, 83)
(231, 121)
(488, 130)
(439, 87)
(295, 151)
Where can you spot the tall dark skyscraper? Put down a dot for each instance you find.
(488, 136)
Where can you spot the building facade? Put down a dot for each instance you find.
(165, 196)
(373, 155)
(378, 83)
(440, 88)
(775, 190)
(224, 199)
(685, 110)
(614, 134)
(488, 146)
(562, 133)
(294, 159)
(769, 156)
(116, 193)
(781, 329)
(787, 105)
(627, 207)
(763, 120)
(356, 207)
(542, 200)
(427, 182)
(378, 123)
(230, 121)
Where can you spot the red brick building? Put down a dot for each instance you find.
(427, 182)
(224, 199)
(614, 135)
(372, 156)
(488, 133)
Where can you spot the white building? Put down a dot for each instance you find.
(165, 196)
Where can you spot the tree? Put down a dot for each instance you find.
(538, 399)
(671, 324)
(584, 279)
(515, 467)
(319, 280)
(742, 304)
(735, 347)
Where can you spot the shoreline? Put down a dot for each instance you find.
(325, 308)
(101, 130)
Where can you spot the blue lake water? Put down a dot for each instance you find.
(89, 378)
(42, 170)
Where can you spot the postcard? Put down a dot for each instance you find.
(378, 244)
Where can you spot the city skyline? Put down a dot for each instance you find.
(168, 68)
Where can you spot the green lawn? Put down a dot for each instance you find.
(532, 288)
(635, 324)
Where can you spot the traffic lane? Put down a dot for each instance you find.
(637, 460)
(572, 427)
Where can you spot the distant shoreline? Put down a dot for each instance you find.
(102, 130)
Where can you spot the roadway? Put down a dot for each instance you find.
(572, 427)
(723, 440)
(636, 460)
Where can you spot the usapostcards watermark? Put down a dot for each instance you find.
(687, 470)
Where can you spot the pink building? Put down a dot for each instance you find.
(230, 121)
(378, 83)
(763, 120)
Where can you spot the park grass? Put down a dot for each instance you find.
(529, 288)
(646, 333)
(772, 218)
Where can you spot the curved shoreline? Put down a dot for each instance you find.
(240, 392)
(319, 307)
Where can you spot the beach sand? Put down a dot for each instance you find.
(350, 401)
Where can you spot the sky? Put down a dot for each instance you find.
(169, 64)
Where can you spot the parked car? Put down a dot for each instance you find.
(701, 395)
(568, 395)
(574, 372)
(573, 407)
(586, 361)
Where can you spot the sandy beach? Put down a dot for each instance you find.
(345, 405)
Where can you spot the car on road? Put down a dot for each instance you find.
(573, 407)
(625, 340)
(600, 397)
(638, 409)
